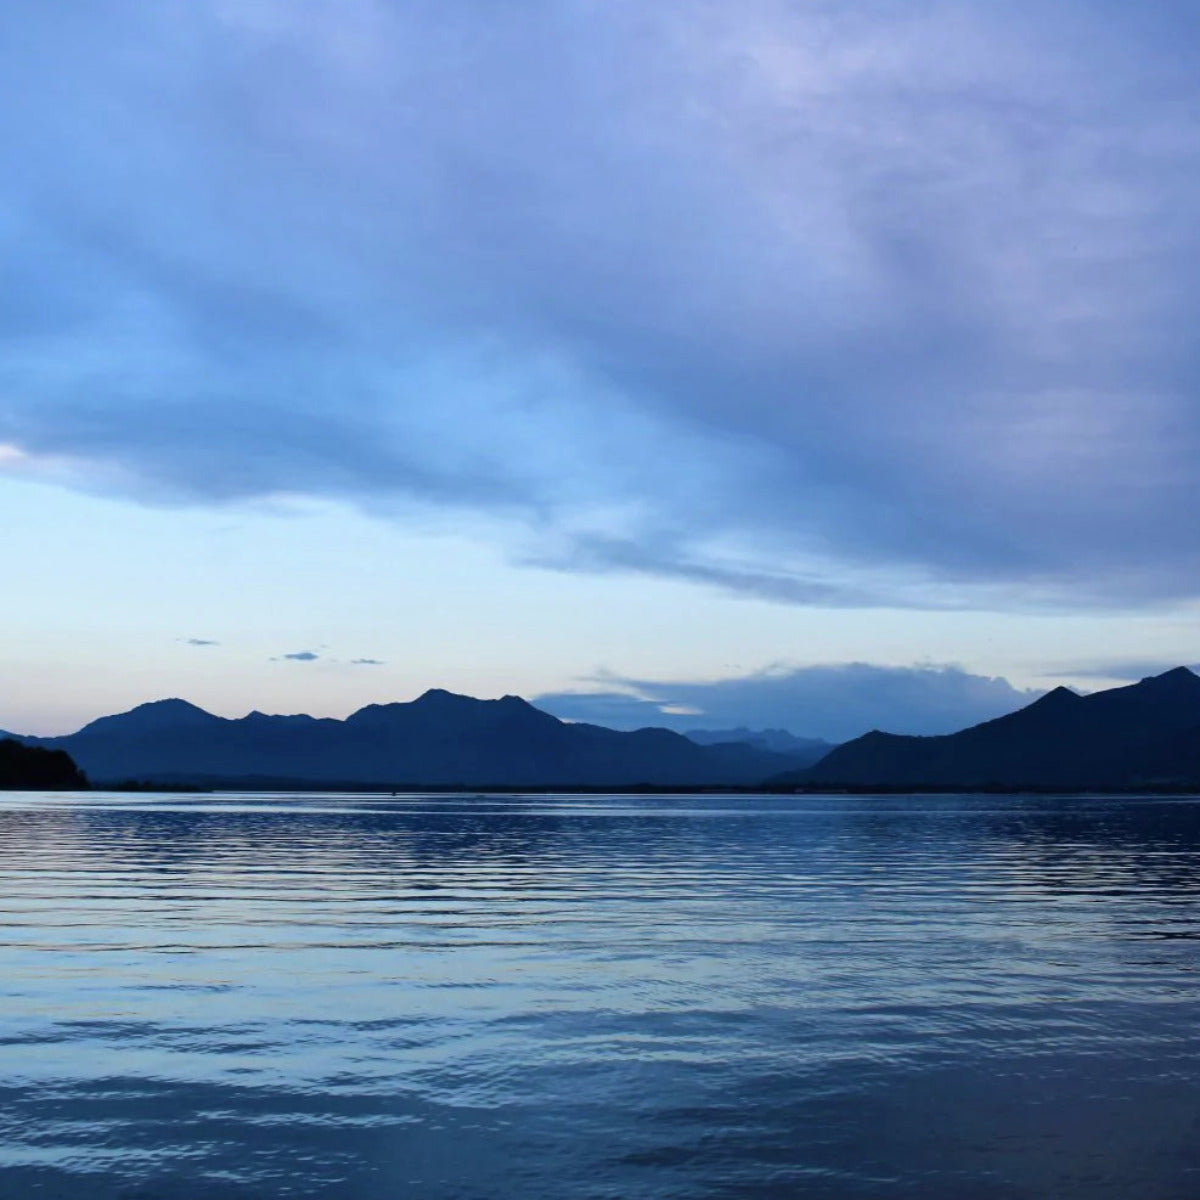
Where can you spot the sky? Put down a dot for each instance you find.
(815, 365)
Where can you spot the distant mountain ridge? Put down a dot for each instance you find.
(1144, 735)
(438, 739)
(811, 750)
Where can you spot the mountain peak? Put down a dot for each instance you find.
(1059, 697)
(170, 705)
(170, 713)
(441, 696)
(1177, 677)
(1117, 738)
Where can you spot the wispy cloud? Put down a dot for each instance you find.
(200, 642)
(1127, 670)
(304, 656)
(367, 662)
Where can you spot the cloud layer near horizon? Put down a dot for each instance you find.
(835, 702)
(829, 303)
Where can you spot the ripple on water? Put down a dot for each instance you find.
(445, 996)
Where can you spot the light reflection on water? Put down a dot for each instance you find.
(451, 996)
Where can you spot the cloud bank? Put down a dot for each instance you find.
(855, 303)
(834, 702)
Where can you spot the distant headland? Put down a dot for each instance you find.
(35, 768)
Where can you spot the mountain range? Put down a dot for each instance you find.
(1146, 735)
(439, 739)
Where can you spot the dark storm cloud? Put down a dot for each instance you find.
(832, 304)
(834, 702)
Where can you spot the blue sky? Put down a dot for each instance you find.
(676, 350)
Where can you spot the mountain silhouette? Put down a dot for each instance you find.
(1143, 735)
(439, 739)
(33, 767)
(805, 750)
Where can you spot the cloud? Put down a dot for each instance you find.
(301, 656)
(851, 304)
(835, 702)
(200, 642)
(1127, 670)
(367, 662)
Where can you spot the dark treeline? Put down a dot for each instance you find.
(36, 768)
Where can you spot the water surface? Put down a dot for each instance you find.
(246, 996)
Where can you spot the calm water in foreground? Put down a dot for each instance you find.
(363, 997)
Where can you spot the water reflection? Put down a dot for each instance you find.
(576, 997)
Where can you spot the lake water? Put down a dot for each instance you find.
(367, 998)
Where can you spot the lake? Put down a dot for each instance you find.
(367, 997)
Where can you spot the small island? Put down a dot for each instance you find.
(36, 768)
